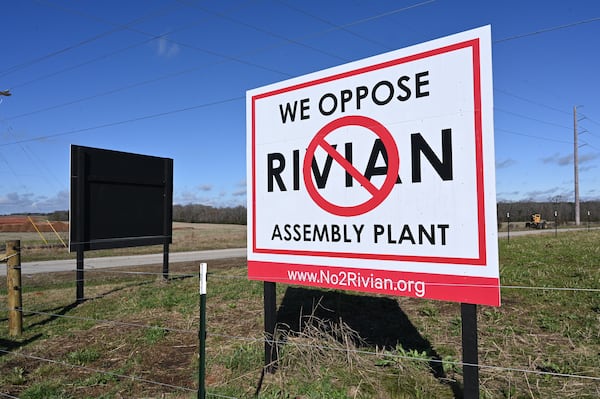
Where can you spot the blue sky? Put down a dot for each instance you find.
(169, 78)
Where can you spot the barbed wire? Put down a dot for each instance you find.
(6, 258)
(106, 321)
(330, 348)
(171, 275)
(321, 347)
(208, 394)
(95, 370)
(277, 279)
(279, 342)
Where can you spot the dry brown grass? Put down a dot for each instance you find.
(186, 237)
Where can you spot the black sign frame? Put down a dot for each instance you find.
(119, 199)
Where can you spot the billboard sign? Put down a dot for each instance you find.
(378, 175)
(119, 199)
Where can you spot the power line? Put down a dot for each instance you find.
(545, 30)
(109, 92)
(185, 71)
(533, 119)
(386, 14)
(127, 26)
(591, 120)
(25, 64)
(160, 114)
(107, 55)
(44, 169)
(357, 22)
(192, 47)
(532, 101)
(122, 122)
(344, 28)
(331, 24)
(545, 106)
(533, 136)
(81, 43)
(589, 145)
(259, 29)
(99, 58)
(288, 40)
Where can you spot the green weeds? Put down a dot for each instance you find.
(337, 351)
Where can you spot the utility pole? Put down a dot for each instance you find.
(576, 167)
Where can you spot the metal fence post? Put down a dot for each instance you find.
(202, 335)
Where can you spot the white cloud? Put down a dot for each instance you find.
(166, 48)
(29, 202)
(567, 160)
(505, 164)
(584, 158)
(205, 187)
(547, 195)
(207, 195)
(559, 160)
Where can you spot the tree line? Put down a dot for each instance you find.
(191, 213)
(519, 212)
(195, 213)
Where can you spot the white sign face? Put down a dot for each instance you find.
(378, 175)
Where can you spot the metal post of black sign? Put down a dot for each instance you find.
(270, 304)
(168, 216)
(165, 271)
(80, 221)
(79, 274)
(468, 313)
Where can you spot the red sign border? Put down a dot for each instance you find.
(480, 260)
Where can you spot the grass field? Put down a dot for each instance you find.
(334, 344)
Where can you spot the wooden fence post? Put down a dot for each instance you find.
(13, 288)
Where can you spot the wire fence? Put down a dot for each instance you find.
(264, 339)
(276, 279)
(96, 275)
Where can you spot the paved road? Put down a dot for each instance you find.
(174, 257)
(121, 261)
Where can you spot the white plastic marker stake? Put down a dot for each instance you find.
(202, 278)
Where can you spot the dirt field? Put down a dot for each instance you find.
(22, 224)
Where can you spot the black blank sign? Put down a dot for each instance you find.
(119, 199)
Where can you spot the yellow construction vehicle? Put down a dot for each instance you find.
(536, 222)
